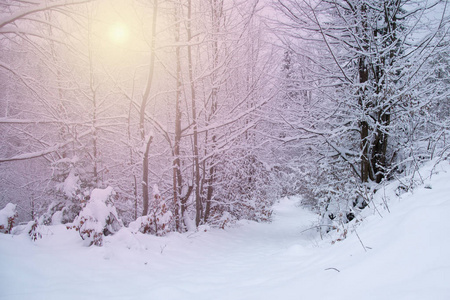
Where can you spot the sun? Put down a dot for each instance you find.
(118, 33)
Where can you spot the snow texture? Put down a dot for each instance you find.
(401, 254)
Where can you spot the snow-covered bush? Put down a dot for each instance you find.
(32, 229)
(71, 191)
(158, 221)
(8, 216)
(98, 218)
(60, 212)
(246, 190)
(221, 219)
(337, 193)
(71, 185)
(73, 182)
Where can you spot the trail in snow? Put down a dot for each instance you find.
(237, 263)
(406, 257)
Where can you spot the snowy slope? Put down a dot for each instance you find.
(406, 256)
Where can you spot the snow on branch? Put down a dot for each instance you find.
(38, 8)
(46, 151)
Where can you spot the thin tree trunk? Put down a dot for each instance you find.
(145, 176)
(216, 17)
(364, 126)
(92, 89)
(365, 163)
(145, 97)
(209, 193)
(176, 165)
(364, 105)
(379, 162)
(198, 200)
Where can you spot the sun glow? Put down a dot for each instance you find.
(118, 33)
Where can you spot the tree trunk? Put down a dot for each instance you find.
(380, 144)
(145, 97)
(145, 195)
(216, 17)
(176, 164)
(198, 200)
(209, 194)
(364, 126)
(365, 162)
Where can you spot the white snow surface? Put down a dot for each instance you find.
(406, 256)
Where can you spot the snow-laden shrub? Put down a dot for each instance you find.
(221, 219)
(245, 189)
(8, 216)
(98, 218)
(70, 193)
(71, 185)
(73, 182)
(338, 194)
(32, 230)
(158, 221)
(60, 212)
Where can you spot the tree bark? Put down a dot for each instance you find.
(176, 165)
(216, 16)
(364, 103)
(145, 97)
(198, 200)
(364, 126)
(145, 177)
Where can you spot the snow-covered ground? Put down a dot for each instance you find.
(404, 254)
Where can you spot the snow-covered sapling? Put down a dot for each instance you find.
(159, 219)
(8, 217)
(33, 230)
(99, 217)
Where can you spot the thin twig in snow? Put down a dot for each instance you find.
(333, 269)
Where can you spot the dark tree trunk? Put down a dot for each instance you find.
(364, 126)
(379, 148)
(365, 162)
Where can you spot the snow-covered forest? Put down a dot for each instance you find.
(138, 124)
